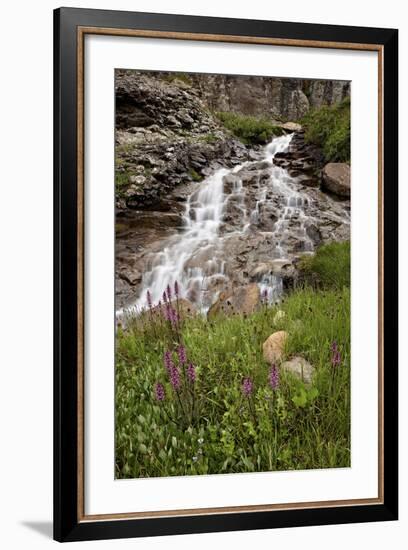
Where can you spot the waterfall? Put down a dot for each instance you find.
(197, 257)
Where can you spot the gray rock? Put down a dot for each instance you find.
(336, 178)
(283, 98)
(138, 180)
(299, 367)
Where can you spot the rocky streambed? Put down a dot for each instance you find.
(244, 225)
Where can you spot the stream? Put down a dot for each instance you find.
(255, 201)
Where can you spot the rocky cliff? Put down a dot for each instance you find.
(165, 138)
(283, 98)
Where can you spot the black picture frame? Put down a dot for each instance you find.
(68, 525)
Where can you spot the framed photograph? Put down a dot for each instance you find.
(225, 274)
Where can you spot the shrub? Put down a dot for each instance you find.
(250, 130)
(329, 128)
(329, 266)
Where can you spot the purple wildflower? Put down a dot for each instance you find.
(336, 358)
(274, 377)
(149, 299)
(247, 387)
(165, 297)
(176, 289)
(171, 315)
(191, 373)
(265, 295)
(169, 292)
(175, 378)
(159, 392)
(181, 352)
(335, 355)
(168, 362)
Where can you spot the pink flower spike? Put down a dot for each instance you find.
(247, 387)
(274, 377)
(191, 373)
(159, 392)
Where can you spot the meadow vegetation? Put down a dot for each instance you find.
(195, 396)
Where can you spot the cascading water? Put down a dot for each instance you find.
(197, 257)
(188, 258)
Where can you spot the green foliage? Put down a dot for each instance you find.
(328, 127)
(292, 427)
(181, 77)
(121, 179)
(195, 176)
(209, 138)
(329, 266)
(250, 130)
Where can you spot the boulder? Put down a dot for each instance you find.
(242, 300)
(291, 126)
(336, 178)
(130, 276)
(185, 307)
(274, 347)
(299, 367)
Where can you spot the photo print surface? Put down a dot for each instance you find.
(232, 270)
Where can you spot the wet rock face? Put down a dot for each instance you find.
(302, 160)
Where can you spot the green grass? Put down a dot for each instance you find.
(182, 77)
(328, 127)
(329, 267)
(209, 138)
(121, 182)
(210, 427)
(250, 130)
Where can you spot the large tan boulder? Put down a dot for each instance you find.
(274, 347)
(336, 178)
(291, 126)
(299, 367)
(242, 300)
